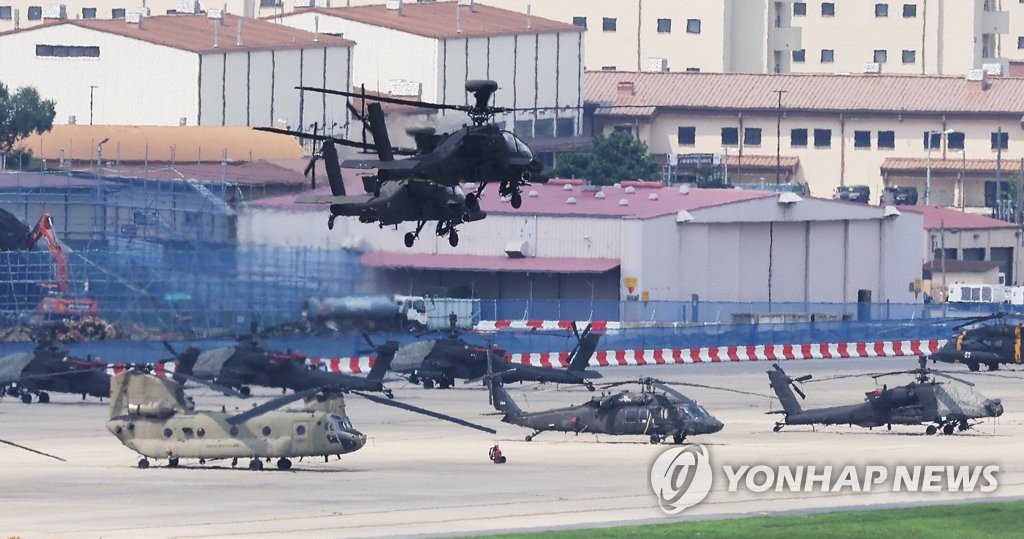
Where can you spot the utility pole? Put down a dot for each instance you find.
(778, 139)
(92, 88)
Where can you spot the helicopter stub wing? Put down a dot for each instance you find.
(332, 199)
(368, 164)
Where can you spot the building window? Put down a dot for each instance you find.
(117, 13)
(692, 26)
(544, 128)
(955, 140)
(822, 138)
(1000, 140)
(910, 10)
(862, 139)
(628, 129)
(67, 51)
(1020, 39)
(580, 21)
(88, 13)
(828, 56)
(799, 56)
(565, 127)
(664, 26)
(270, 3)
(932, 139)
(881, 10)
(828, 9)
(798, 138)
(881, 55)
(607, 68)
(693, 70)
(5, 13)
(887, 139)
(730, 136)
(687, 136)
(608, 24)
(799, 9)
(752, 136)
(909, 57)
(524, 128)
(35, 13)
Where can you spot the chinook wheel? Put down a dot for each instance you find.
(143, 463)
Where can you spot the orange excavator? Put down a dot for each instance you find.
(58, 303)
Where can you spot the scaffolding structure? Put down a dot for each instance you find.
(161, 254)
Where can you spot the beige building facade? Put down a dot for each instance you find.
(835, 130)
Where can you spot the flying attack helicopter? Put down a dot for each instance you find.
(978, 342)
(249, 362)
(152, 416)
(442, 361)
(658, 412)
(940, 405)
(51, 368)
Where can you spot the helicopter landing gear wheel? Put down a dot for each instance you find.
(284, 464)
(445, 383)
(453, 238)
(948, 429)
(993, 366)
(655, 439)
(778, 427)
(330, 222)
(44, 397)
(172, 462)
(26, 397)
(410, 238)
(255, 465)
(931, 430)
(529, 437)
(962, 426)
(245, 391)
(973, 367)
(678, 438)
(517, 199)
(143, 463)
(428, 383)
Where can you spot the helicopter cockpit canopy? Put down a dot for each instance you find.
(515, 146)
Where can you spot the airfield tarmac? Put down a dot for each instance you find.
(417, 475)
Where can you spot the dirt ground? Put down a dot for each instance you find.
(417, 475)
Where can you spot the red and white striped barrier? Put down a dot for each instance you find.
(494, 325)
(665, 356)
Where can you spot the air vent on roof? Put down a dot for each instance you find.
(533, 193)
(652, 196)
(976, 74)
(629, 190)
(653, 64)
(517, 249)
(600, 195)
(393, 4)
(571, 201)
(567, 187)
(215, 14)
(465, 2)
(303, 3)
(144, 11)
(623, 202)
(72, 120)
(189, 7)
(133, 18)
(55, 11)
(995, 70)
(183, 121)
(872, 67)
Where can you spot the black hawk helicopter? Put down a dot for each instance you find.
(658, 412)
(978, 343)
(940, 405)
(152, 416)
(51, 368)
(249, 362)
(441, 361)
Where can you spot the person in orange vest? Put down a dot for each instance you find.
(495, 455)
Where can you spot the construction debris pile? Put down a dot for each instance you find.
(13, 232)
(85, 329)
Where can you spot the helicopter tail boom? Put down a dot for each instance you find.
(385, 355)
(379, 130)
(502, 400)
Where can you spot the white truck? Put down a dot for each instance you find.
(382, 312)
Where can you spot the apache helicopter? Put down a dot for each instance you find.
(250, 363)
(51, 368)
(924, 401)
(984, 344)
(668, 414)
(152, 416)
(396, 202)
(441, 361)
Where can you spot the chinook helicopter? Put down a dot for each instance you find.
(940, 405)
(658, 412)
(249, 362)
(978, 343)
(153, 417)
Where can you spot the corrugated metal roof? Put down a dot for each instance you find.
(914, 164)
(158, 143)
(195, 33)
(438, 20)
(804, 92)
(398, 260)
(936, 217)
(959, 266)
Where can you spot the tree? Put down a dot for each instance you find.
(610, 160)
(21, 114)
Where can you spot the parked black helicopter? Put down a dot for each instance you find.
(658, 412)
(251, 363)
(442, 361)
(410, 199)
(51, 368)
(940, 405)
(977, 343)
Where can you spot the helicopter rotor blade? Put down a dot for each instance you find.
(944, 375)
(369, 341)
(170, 348)
(385, 99)
(212, 385)
(72, 372)
(424, 411)
(271, 405)
(797, 389)
(691, 384)
(29, 449)
(575, 331)
(661, 385)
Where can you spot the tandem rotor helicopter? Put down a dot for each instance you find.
(941, 406)
(427, 183)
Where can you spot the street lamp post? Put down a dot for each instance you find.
(92, 88)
